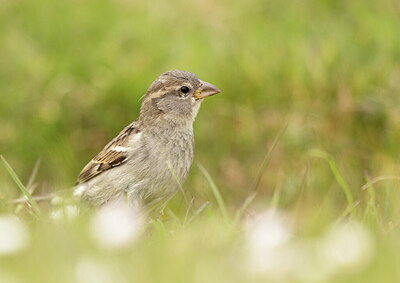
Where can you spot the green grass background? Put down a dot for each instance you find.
(72, 74)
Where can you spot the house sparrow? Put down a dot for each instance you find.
(147, 159)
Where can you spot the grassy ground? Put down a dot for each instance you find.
(308, 119)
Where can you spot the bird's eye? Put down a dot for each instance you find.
(185, 89)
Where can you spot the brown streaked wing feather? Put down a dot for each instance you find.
(108, 158)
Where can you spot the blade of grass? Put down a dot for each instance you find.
(277, 192)
(172, 214)
(36, 198)
(267, 158)
(336, 173)
(178, 182)
(155, 205)
(371, 190)
(302, 188)
(33, 175)
(188, 210)
(197, 212)
(158, 227)
(372, 209)
(14, 176)
(347, 211)
(245, 205)
(30, 187)
(378, 179)
(215, 191)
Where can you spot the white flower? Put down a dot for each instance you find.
(267, 230)
(267, 240)
(347, 245)
(116, 225)
(68, 212)
(14, 235)
(272, 253)
(71, 211)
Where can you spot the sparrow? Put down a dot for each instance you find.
(151, 157)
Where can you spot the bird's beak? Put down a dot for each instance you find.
(205, 89)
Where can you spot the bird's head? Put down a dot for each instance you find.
(176, 95)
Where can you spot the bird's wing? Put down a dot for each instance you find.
(112, 155)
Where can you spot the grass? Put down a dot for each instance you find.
(215, 190)
(71, 77)
(336, 173)
(32, 202)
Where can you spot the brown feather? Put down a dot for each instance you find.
(108, 158)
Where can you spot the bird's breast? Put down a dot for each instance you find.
(174, 151)
(165, 158)
(181, 156)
